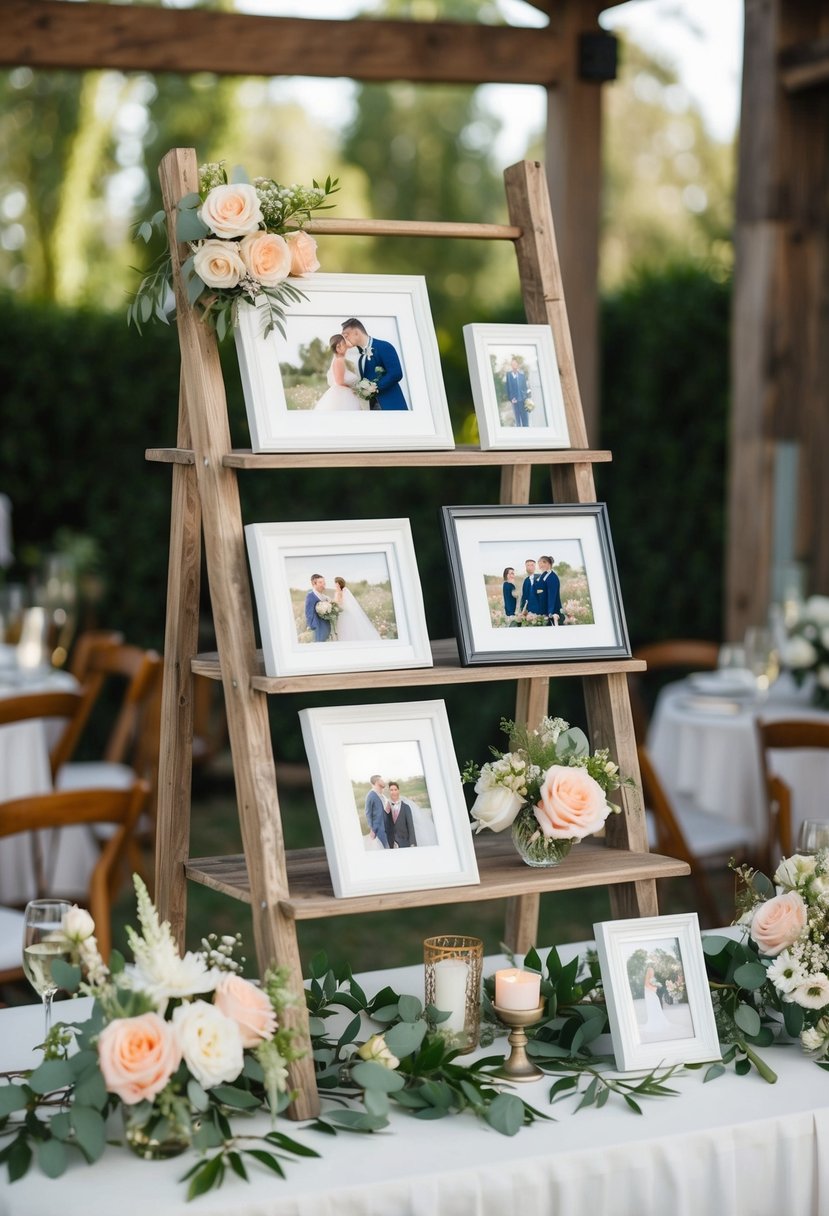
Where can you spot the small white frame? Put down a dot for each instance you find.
(346, 745)
(534, 348)
(394, 308)
(683, 1033)
(283, 556)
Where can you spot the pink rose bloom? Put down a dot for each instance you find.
(572, 803)
(303, 253)
(267, 257)
(778, 923)
(248, 1006)
(138, 1056)
(231, 210)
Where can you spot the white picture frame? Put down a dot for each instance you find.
(503, 422)
(482, 543)
(280, 402)
(376, 560)
(412, 744)
(649, 1027)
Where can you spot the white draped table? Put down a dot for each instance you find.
(734, 1146)
(25, 770)
(706, 749)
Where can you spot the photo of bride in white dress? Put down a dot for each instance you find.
(340, 397)
(660, 1001)
(352, 623)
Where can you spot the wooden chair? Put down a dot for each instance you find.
(669, 659)
(85, 644)
(118, 809)
(69, 707)
(704, 841)
(804, 734)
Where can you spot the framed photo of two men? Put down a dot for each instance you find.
(534, 583)
(354, 367)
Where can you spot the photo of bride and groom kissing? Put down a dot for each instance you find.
(372, 382)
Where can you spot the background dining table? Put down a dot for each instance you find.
(704, 744)
(24, 769)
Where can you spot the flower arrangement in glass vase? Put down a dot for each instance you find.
(178, 1042)
(549, 789)
(805, 649)
(245, 239)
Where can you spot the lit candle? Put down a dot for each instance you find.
(516, 989)
(451, 975)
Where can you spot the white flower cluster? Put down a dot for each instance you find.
(806, 647)
(549, 729)
(279, 203)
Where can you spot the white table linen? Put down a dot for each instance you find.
(25, 770)
(735, 1145)
(706, 749)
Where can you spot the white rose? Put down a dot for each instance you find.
(816, 609)
(78, 925)
(210, 1043)
(231, 210)
(375, 1049)
(495, 808)
(811, 1039)
(794, 871)
(799, 652)
(218, 264)
(823, 676)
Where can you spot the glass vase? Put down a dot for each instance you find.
(453, 966)
(152, 1135)
(532, 846)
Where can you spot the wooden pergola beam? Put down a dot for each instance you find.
(805, 66)
(134, 38)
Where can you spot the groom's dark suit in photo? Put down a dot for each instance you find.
(552, 594)
(318, 624)
(389, 393)
(376, 817)
(527, 600)
(403, 828)
(517, 393)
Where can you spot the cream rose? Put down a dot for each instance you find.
(78, 925)
(495, 808)
(231, 210)
(375, 1049)
(303, 253)
(211, 1043)
(267, 257)
(218, 264)
(778, 923)
(248, 1006)
(138, 1056)
(794, 871)
(572, 803)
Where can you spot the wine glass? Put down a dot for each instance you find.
(761, 657)
(43, 942)
(813, 835)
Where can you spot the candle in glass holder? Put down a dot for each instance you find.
(516, 989)
(451, 977)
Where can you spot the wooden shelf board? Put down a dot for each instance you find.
(243, 458)
(446, 670)
(501, 870)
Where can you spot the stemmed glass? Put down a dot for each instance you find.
(813, 835)
(43, 942)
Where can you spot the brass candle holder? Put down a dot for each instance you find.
(518, 1066)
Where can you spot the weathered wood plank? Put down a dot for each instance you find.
(243, 458)
(57, 34)
(805, 66)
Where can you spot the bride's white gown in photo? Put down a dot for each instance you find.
(655, 1020)
(338, 398)
(352, 624)
(424, 825)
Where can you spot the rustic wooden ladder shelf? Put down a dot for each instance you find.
(280, 888)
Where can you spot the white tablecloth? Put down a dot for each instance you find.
(24, 770)
(735, 1146)
(707, 749)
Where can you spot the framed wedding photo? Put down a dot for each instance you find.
(516, 387)
(389, 798)
(656, 988)
(338, 595)
(326, 386)
(534, 583)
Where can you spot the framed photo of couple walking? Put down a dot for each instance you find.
(389, 798)
(355, 368)
(658, 1000)
(534, 583)
(350, 584)
(516, 386)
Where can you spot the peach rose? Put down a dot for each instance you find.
(248, 1006)
(231, 210)
(303, 253)
(572, 803)
(778, 923)
(217, 263)
(267, 257)
(138, 1056)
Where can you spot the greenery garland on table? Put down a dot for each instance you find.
(764, 987)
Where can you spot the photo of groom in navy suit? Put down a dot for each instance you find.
(378, 361)
(548, 592)
(518, 393)
(320, 627)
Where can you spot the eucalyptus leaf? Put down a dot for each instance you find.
(51, 1075)
(376, 1102)
(711, 944)
(189, 227)
(715, 1070)
(410, 1099)
(12, 1098)
(188, 202)
(60, 1125)
(196, 1096)
(506, 1114)
(207, 1136)
(90, 1130)
(409, 1008)
(91, 1090)
(404, 1038)
(747, 1018)
(355, 1120)
(66, 975)
(750, 976)
(386, 1013)
(231, 1095)
(792, 1018)
(51, 1157)
(238, 175)
(371, 1075)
